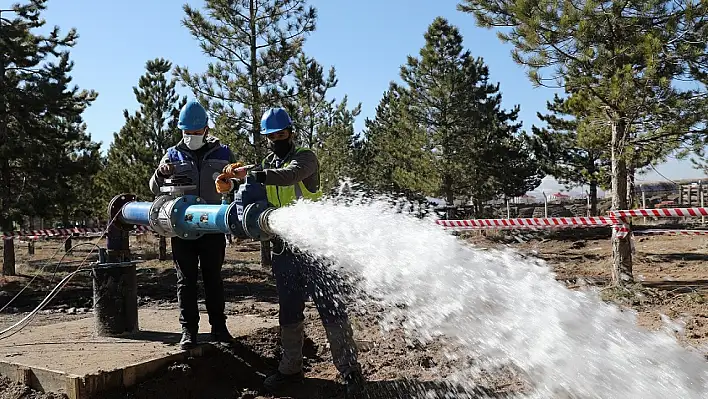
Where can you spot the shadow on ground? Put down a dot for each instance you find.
(680, 256)
(682, 286)
(238, 372)
(154, 284)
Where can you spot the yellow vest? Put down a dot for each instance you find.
(280, 196)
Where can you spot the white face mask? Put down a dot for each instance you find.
(193, 142)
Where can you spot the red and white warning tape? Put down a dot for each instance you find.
(530, 222)
(662, 213)
(619, 227)
(62, 232)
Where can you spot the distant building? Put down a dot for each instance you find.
(559, 197)
(525, 199)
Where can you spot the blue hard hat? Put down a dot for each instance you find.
(275, 120)
(192, 116)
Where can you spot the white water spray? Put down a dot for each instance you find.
(495, 305)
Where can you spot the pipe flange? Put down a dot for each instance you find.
(116, 206)
(250, 220)
(177, 210)
(264, 223)
(233, 221)
(161, 225)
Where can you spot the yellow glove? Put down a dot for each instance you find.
(230, 169)
(224, 184)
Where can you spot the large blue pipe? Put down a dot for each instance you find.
(189, 218)
(136, 213)
(205, 218)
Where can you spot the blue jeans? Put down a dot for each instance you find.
(298, 277)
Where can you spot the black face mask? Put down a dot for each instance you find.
(281, 148)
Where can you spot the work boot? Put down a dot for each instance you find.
(278, 381)
(221, 334)
(354, 384)
(292, 337)
(189, 338)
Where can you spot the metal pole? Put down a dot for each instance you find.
(545, 204)
(701, 198)
(644, 200)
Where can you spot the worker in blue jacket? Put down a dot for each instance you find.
(199, 157)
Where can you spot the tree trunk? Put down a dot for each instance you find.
(8, 257)
(593, 198)
(631, 189)
(449, 198)
(256, 110)
(592, 193)
(621, 247)
(255, 89)
(5, 198)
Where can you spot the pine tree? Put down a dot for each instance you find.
(40, 116)
(336, 151)
(395, 156)
(147, 134)
(622, 56)
(80, 162)
(570, 149)
(307, 103)
(252, 43)
(475, 141)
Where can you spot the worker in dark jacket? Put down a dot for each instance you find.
(200, 157)
(289, 173)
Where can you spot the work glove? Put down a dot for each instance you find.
(230, 168)
(224, 184)
(237, 170)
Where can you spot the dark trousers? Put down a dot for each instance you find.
(299, 276)
(207, 253)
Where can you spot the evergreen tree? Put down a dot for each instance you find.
(336, 151)
(395, 156)
(308, 104)
(79, 162)
(40, 116)
(146, 135)
(570, 149)
(475, 141)
(252, 43)
(622, 56)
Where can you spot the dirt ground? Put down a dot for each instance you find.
(673, 271)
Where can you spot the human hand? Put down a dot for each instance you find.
(166, 169)
(229, 169)
(237, 170)
(223, 183)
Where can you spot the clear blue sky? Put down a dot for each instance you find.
(365, 40)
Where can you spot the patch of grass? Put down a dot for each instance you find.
(633, 295)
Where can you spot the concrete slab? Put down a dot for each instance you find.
(68, 357)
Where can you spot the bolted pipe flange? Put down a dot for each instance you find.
(115, 207)
(251, 220)
(177, 209)
(234, 222)
(160, 218)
